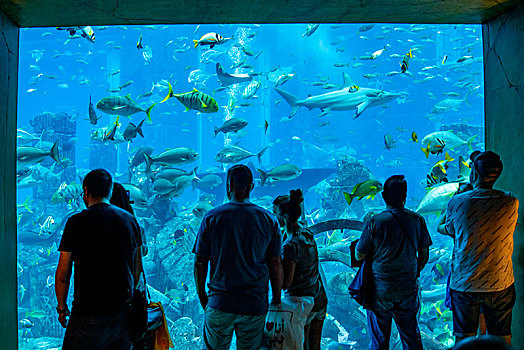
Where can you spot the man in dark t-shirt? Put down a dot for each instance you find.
(241, 243)
(396, 242)
(102, 243)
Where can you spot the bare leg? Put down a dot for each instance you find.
(314, 336)
(306, 337)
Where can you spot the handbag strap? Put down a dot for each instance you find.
(403, 231)
(145, 284)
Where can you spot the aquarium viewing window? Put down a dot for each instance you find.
(317, 107)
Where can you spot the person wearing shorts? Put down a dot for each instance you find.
(240, 242)
(482, 222)
(301, 266)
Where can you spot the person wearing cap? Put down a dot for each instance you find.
(240, 242)
(481, 222)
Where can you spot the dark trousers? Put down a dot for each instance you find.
(107, 332)
(404, 312)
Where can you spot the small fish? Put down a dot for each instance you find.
(147, 94)
(405, 62)
(464, 58)
(266, 126)
(444, 59)
(365, 28)
(231, 125)
(86, 32)
(139, 43)
(414, 137)
(111, 134)
(131, 131)
(377, 53)
(126, 84)
(282, 172)
(194, 100)
(437, 148)
(340, 65)
(93, 118)
(311, 28)
(367, 189)
(389, 142)
(438, 174)
(210, 39)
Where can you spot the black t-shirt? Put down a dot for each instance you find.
(103, 240)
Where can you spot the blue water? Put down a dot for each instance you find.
(58, 74)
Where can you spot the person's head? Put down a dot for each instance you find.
(239, 182)
(483, 342)
(97, 186)
(288, 208)
(486, 168)
(395, 191)
(276, 208)
(120, 198)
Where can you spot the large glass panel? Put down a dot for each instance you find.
(405, 99)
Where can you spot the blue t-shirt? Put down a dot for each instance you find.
(238, 238)
(394, 261)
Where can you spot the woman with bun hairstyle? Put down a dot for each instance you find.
(301, 265)
(120, 198)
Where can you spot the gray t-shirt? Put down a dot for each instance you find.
(238, 238)
(302, 249)
(483, 222)
(394, 261)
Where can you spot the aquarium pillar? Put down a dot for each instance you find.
(8, 104)
(503, 39)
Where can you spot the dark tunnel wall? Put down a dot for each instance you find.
(504, 112)
(8, 99)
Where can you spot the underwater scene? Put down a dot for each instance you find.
(332, 109)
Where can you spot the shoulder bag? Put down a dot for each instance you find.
(145, 316)
(360, 288)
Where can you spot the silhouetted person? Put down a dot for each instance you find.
(121, 198)
(397, 243)
(482, 222)
(241, 243)
(301, 266)
(102, 243)
(483, 342)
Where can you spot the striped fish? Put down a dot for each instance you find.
(210, 39)
(194, 100)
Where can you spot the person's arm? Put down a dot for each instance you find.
(289, 272)
(359, 255)
(62, 280)
(364, 245)
(200, 267)
(276, 276)
(422, 259)
(441, 226)
(138, 265)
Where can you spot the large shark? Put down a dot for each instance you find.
(349, 97)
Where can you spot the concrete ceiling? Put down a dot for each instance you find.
(48, 13)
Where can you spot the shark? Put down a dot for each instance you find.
(230, 79)
(349, 97)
